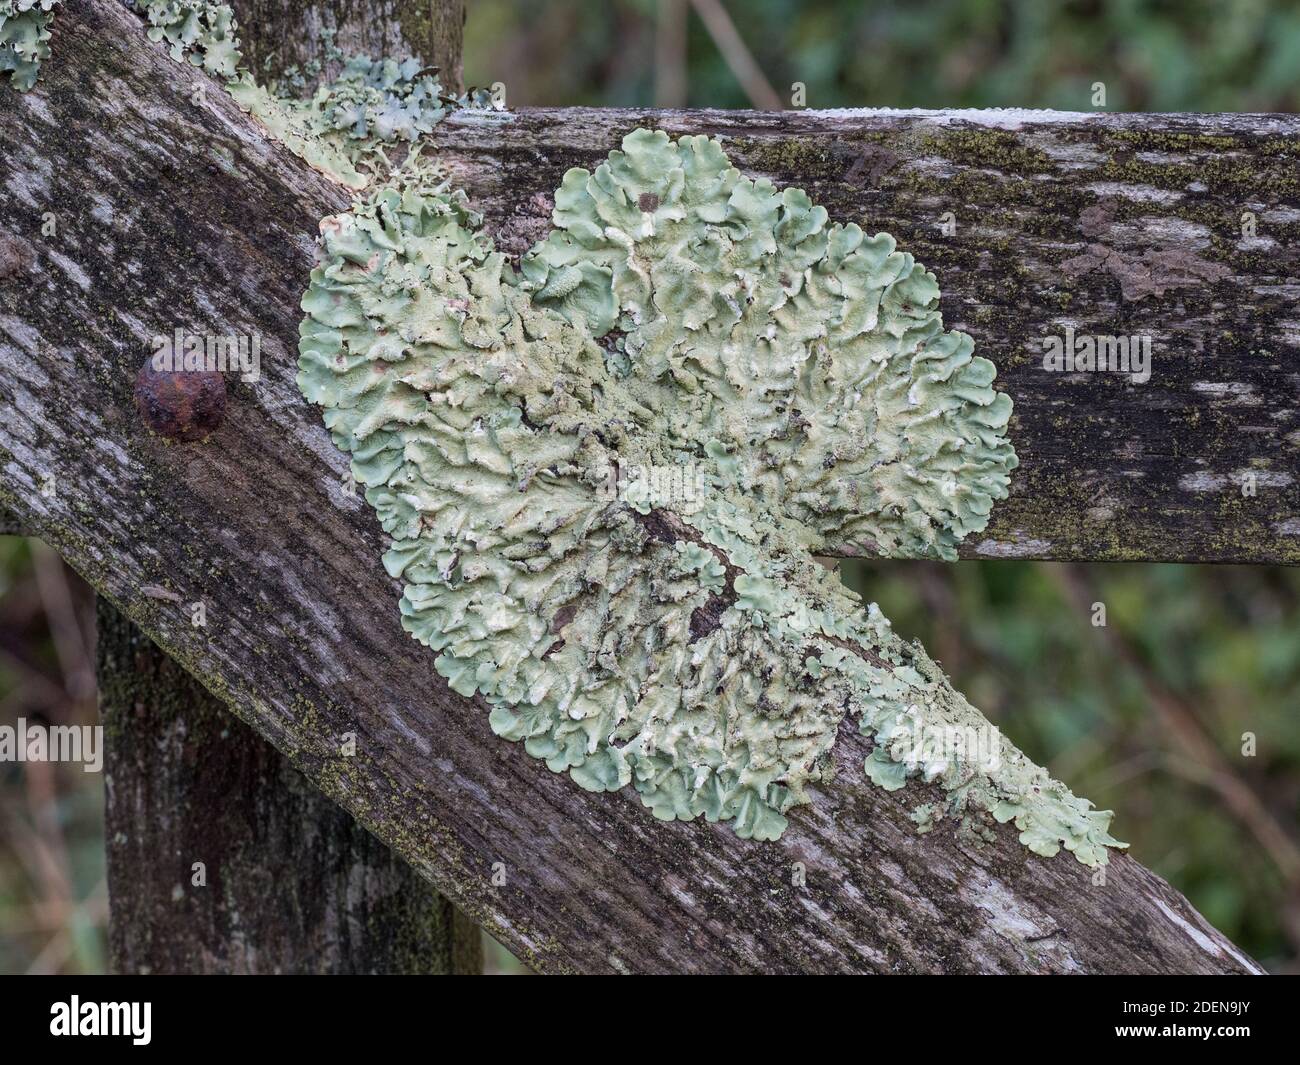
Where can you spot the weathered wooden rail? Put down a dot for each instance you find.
(1035, 223)
(172, 209)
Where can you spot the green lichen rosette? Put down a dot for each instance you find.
(605, 476)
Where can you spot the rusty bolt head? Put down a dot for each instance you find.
(180, 404)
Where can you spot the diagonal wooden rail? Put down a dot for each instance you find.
(172, 209)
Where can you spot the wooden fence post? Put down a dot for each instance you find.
(276, 34)
(221, 856)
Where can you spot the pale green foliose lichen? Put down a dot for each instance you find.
(201, 32)
(24, 39)
(680, 318)
(342, 126)
(380, 100)
(812, 354)
(686, 645)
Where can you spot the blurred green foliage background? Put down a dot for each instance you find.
(1153, 55)
(53, 898)
(1148, 715)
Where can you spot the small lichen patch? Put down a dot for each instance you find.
(24, 37)
(794, 373)
(346, 126)
(200, 32)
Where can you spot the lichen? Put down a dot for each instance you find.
(200, 32)
(361, 125)
(813, 353)
(792, 377)
(342, 127)
(24, 37)
(380, 100)
(795, 374)
(346, 124)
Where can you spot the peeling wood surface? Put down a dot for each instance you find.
(1108, 225)
(172, 213)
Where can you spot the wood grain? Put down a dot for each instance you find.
(289, 882)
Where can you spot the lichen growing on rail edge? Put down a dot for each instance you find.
(605, 476)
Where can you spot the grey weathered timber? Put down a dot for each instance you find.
(176, 213)
(1113, 225)
(277, 34)
(223, 858)
(291, 883)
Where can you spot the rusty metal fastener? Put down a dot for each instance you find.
(180, 404)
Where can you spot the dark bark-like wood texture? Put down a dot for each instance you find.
(289, 883)
(277, 34)
(295, 884)
(175, 213)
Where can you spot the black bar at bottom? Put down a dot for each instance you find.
(334, 1014)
